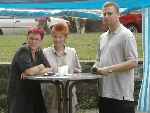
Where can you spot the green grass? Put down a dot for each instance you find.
(85, 45)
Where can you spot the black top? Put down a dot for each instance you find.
(25, 96)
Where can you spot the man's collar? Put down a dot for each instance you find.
(117, 30)
(54, 51)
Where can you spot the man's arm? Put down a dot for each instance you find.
(49, 19)
(96, 64)
(124, 66)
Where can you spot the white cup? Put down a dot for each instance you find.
(60, 70)
(65, 69)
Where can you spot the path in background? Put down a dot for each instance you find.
(140, 111)
(96, 111)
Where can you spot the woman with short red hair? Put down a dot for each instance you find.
(60, 54)
(23, 95)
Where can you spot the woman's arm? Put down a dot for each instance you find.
(26, 62)
(36, 70)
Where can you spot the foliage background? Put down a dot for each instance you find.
(85, 44)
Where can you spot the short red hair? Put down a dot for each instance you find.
(36, 30)
(61, 28)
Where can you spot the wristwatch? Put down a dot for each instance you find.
(109, 69)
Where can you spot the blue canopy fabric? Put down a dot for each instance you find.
(144, 96)
(33, 1)
(69, 4)
(62, 5)
(37, 8)
(51, 13)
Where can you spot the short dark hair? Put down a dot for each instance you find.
(107, 4)
(36, 30)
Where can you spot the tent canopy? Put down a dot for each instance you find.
(69, 4)
(36, 8)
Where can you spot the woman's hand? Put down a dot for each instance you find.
(23, 76)
(45, 70)
(52, 69)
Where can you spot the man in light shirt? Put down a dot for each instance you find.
(42, 22)
(80, 25)
(116, 59)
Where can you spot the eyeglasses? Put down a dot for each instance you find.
(32, 39)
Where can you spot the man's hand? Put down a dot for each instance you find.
(94, 70)
(103, 71)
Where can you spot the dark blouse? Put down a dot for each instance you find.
(25, 96)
